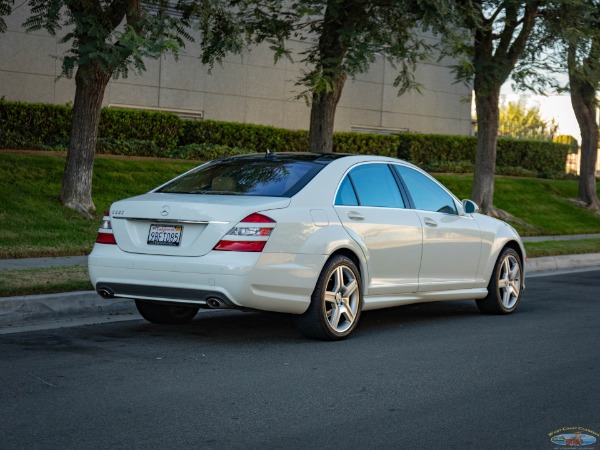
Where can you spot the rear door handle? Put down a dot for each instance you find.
(430, 222)
(355, 216)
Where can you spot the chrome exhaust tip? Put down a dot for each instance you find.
(105, 293)
(215, 303)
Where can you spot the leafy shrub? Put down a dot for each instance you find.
(540, 157)
(256, 137)
(128, 147)
(161, 128)
(36, 123)
(366, 144)
(146, 133)
(535, 157)
(449, 167)
(205, 152)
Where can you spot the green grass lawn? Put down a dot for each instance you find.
(34, 223)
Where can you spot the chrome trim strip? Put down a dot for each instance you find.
(162, 220)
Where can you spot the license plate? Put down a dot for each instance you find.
(164, 235)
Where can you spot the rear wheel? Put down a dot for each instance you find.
(504, 289)
(165, 314)
(336, 302)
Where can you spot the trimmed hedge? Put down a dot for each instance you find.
(241, 135)
(366, 144)
(159, 134)
(164, 129)
(25, 125)
(436, 151)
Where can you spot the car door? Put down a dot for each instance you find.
(371, 207)
(451, 242)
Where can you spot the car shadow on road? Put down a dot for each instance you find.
(256, 327)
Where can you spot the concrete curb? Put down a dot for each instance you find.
(35, 309)
(31, 309)
(562, 262)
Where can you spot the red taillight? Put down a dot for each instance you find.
(241, 246)
(105, 234)
(106, 238)
(257, 218)
(250, 235)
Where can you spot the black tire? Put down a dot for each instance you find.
(505, 286)
(165, 314)
(336, 302)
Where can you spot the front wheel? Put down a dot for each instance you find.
(505, 286)
(336, 302)
(165, 314)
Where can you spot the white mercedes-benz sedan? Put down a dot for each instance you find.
(320, 236)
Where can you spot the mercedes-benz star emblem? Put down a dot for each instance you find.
(165, 211)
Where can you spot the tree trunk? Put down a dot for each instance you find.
(486, 105)
(322, 116)
(76, 191)
(585, 112)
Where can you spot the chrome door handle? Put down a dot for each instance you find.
(430, 222)
(355, 216)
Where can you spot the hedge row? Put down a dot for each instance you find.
(159, 134)
(430, 150)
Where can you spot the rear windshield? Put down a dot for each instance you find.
(272, 177)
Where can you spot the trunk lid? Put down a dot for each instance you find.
(196, 221)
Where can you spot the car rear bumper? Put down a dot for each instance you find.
(279, 282)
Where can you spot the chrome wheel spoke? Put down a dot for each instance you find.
(349, 289)
(335, 316)
(346, 311)
(509, 281)
(329, 297)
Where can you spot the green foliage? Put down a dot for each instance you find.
(161, 128)
(538, 156)
(366, 144)
(127, 147)
(157, 134)
(518, 121)
(205, 152)
(38, 124)
(255, 137)
(346, 36)
(446, 153)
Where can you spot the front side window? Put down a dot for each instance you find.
(370, 185)
(426, 194)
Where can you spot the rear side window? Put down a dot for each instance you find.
(256, 177)
(374, 185)
(426, 194)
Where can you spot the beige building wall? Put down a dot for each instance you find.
(249, 88)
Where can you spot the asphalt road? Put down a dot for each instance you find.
(436, 376)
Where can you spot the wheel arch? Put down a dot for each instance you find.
(351, 254)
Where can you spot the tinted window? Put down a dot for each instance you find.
(376, 186)
(272, 177)
(346, 195)
(426, 194)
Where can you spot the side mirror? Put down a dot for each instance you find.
(470, 206)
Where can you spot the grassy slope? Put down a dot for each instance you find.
(33, 222)
(541, 203)
(32, 219)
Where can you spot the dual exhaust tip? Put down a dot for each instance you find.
(211, 302)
